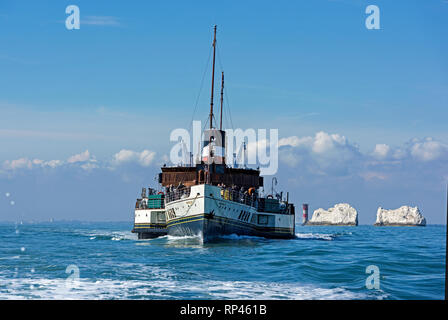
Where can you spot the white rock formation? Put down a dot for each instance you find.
(403, 216)
(341, 214)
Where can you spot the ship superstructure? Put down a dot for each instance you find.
(149, 215)
(210, 198)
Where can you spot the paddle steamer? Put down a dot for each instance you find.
(210, 198)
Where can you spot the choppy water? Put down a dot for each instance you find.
(322, 263)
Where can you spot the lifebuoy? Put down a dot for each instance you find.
(251, 190)
(270, 196)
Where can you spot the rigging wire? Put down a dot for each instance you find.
(226, 96)
(200, 89)
(196, 105)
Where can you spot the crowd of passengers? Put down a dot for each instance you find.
(235, 193)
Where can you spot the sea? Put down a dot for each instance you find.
(104, 260)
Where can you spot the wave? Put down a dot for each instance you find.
(127, 235)
(321, 236)
(40, 288)
(114, 235)
(10, 258)
(180, 238)
(316, 236)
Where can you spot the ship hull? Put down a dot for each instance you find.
(212, 227)
(211, 217)
(149, 223)
(149, 233)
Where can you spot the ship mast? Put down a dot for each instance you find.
(213, 79)
(222, 95)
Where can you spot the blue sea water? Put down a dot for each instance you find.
(82, 260)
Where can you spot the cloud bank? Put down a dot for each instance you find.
(320, 170)
(83, 160)
(325, 154)
(334, 155)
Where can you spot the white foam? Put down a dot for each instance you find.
(162, 283)
(11, 257)
(165, 287)
(318, 236)
(180, 238)
(109, 235)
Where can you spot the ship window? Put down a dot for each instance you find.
(262, 219)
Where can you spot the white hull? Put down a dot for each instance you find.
(206, 213)
(149, 223)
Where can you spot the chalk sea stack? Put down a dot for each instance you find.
(342, 214)
(403, 216)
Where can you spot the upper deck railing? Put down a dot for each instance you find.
(260, 204)
(177, 194)
(151, 202)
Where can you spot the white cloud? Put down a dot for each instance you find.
(84, 160)
(25, 163)
(124, 156)
(18, 164)
(144, 158)
(81, 157)
(321, 143)
(428, 149)
(295, 141)
(400, 154)
(421, 150)
(293, 160)
(89, 166)
(326, 154)
(324, 142)
(322, 154)
(381, 151)
(53, 163)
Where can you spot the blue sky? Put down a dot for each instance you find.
(132, 73)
